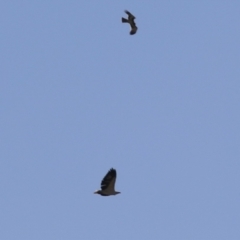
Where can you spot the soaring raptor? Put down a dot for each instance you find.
(108, 183)
(130, 20)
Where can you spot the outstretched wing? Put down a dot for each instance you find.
(130, 16)
(109, 180)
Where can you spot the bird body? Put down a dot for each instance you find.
(130, 20)
(108, 184)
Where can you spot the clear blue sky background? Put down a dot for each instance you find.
(79, 95)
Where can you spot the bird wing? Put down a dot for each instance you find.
(130, 16)
(109, 180)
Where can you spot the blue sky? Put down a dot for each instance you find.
(79, 95)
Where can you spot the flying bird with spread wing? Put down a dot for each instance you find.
(108, 183)
(130, 20)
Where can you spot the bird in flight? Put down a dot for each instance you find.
(108, 183)
(130, 20)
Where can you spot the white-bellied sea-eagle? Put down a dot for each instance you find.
(108, 183)
(130, 20)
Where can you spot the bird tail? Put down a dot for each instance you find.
(124, 20)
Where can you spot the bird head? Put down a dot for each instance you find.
(97, 192)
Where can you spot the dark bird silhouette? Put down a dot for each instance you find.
(130, 20)
(108, 183)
